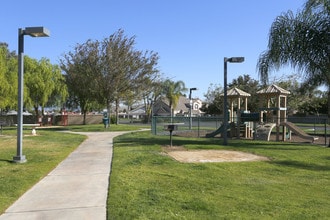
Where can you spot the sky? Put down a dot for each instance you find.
(191, 37)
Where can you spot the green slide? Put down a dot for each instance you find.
(218, 131)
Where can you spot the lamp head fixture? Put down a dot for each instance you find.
(36, 32)
(235, 59)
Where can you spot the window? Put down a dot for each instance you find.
(196, 107)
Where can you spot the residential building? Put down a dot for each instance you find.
(161, 107)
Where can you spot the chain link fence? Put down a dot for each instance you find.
(312, 125)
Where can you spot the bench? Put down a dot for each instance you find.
(34, 132)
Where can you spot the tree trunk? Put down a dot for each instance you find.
(109, 110)
(84, 120)
(117, 112)
(328, 110)
(328, 103)
(37, 114)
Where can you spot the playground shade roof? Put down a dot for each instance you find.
(273, 89)
(235, 92)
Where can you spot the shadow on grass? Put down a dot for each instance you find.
(146, 138)
(60, 128)
(142, 139)
(204, 143)
(301, 165)
(6, 160)
(283, 146)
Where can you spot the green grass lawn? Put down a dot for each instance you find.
(99, 128)
(147, 184)
(43, 152)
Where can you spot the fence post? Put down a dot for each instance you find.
(153, 125)
(198, 125)
(325, 132)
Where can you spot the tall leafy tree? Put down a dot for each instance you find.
(42, 80)
(151, 91)
(298, 94)
(124, 69)
(60, 92)
(106, 71)
(172, 91)
(214, 97)
(214, 100)
(249, 85)
(314, 103)
(8, 78)
(301, 41)
(82, 68)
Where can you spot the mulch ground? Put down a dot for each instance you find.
(294, 138)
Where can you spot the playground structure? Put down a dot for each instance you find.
(275, 99)
(240, 97)
(260, 125)
(236, 127)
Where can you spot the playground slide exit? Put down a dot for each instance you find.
(296, 130)
(216, 132)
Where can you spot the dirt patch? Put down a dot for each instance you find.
(206, 156)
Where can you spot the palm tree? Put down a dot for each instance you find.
(301, 41)
(172, 91)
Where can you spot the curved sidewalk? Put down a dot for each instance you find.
(76, 189)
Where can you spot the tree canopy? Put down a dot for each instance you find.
(302, 41)
(172, 91)
(300, 101)
(43, 81)
(8, 78)
(108, 71)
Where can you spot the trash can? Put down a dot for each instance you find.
(105, 120)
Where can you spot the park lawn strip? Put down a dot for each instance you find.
(43, 152)
(100, 128)
(145, 183)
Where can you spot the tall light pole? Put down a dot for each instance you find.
(225, 107)
(33, 32)
(190, 107)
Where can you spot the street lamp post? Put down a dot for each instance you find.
(190, 107)
(33, 32)
(225, 107)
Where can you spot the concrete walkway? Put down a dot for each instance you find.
(76, 189)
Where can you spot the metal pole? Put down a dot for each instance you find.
(225, 110)
(20, 158)
(325, 132)
(171, 137)
(190, 110)
(198, 126)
